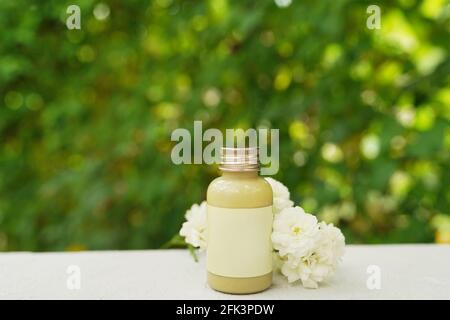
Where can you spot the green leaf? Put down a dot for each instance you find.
(193, 252)
(177, 242)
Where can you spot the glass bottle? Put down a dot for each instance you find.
(239, 225)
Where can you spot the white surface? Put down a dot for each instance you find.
(407, 272)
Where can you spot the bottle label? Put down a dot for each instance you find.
(239, 241)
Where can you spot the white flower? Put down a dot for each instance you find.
(320, 262)
(281, 195)
(307, 269)
(331, 245)
(294, 232)
(194, 229)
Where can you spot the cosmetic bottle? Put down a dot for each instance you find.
(239, 225)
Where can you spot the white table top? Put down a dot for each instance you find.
(407, 272)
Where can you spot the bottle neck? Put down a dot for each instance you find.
(240, 174)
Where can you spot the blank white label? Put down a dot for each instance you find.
(239, 241)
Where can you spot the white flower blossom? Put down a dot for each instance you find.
(194, 229)
(294, 232)
(308, 269)
(281, 195)
(320, 262)
(331, 245)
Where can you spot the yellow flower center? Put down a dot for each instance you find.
(296, 230)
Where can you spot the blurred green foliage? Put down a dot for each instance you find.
(86, 115)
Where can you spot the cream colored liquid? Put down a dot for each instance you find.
(240, 190)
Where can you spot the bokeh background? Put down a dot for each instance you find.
(86, 115)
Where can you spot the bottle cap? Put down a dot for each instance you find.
(239, 159)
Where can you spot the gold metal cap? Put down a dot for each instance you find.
(239, 159)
